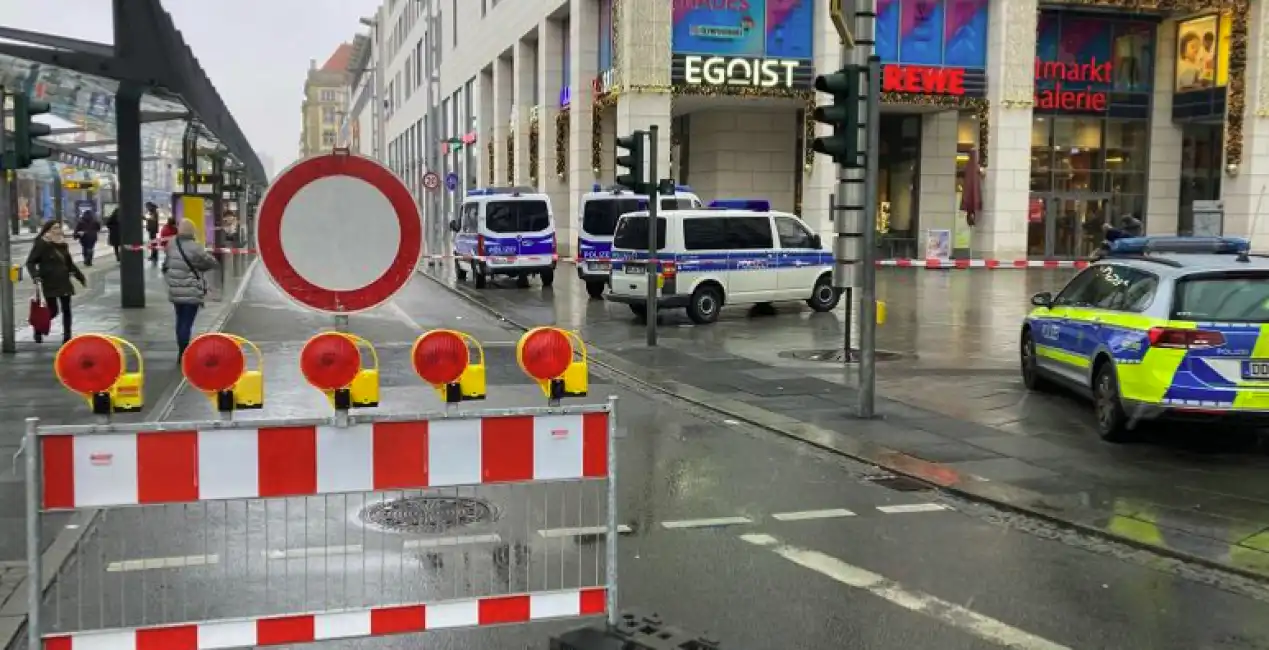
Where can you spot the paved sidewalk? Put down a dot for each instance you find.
(29, 388)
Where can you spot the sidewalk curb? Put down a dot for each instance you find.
(968, 486)
(54, 559)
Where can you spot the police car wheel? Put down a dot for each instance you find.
(459, 272)
(640, 311)
(1112, 421)
(823, 297)
(595, 288)
(1030, 366)
(705, 305)
(480, 277)
(548, 277)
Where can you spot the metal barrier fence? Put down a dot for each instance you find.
(242, 533)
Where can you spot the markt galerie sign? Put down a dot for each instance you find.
(700, 70)
(1082, 98)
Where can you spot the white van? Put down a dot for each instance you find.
(722, 256)
(600, 210)
(505, 231)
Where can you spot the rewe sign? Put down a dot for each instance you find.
(922, 80)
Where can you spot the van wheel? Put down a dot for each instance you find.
(824, 297)
(459, 272)
(596, 288)
(482, 280)
(548, 278)
(640, 311)
(707, 302)
(522, 280)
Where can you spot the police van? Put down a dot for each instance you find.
(600, 210)
(508, 231)
(734, 252)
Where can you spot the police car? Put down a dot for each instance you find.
(1160, 326)
(507, 231)
(600, 210)
(732, 253)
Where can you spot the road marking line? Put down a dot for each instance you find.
(313, 551)
(979, 625)
(912, 507)
(585, 531)
(162, 563)
(804, 515)
(460, 540)
(707, 523)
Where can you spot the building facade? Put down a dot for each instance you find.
(325, 102)
(1071, 115)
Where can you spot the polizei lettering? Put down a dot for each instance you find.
(726, 71)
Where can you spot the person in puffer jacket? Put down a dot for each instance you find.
(185, 270)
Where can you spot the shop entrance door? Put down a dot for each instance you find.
(1071, 227)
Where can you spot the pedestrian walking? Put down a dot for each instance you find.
(51, 266)
(87, 230)
(184, 269)
(152, 229)
(115, 236)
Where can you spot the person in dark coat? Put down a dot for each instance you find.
(115, 236)
(86, 231)
(52, 267)
(152, 229)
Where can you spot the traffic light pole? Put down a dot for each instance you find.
(867, 257)
(654, 265)
(8, 341)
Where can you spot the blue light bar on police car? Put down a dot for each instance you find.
(1209, 245)
(755, 205)
(492, 191)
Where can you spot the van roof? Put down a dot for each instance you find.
(699, 213)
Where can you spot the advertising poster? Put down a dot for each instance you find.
(950, 33)
(938, 245)
(773, 29)
(197, 209)
(1199, 53)
(1099, 55)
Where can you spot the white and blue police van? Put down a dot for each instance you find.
(597, 220)
(508, 231)
(734, 252)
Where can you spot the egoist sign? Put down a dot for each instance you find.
(701, 70)
(1084, 75)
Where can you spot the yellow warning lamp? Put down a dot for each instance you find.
(332, 363)
(442, 358)
(95, 366)
(547, 355)
(216, 364)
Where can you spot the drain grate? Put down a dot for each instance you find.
(838, 355)
(428, 514)
(900, 484)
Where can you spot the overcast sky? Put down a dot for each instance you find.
(256, 52)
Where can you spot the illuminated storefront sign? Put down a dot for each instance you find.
(1085, 76)
(922, 79)
(699, 70)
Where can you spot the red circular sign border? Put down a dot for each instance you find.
(269, 233)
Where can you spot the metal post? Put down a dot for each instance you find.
(868, 274)
(849, 220)
(34, 575)
(654, 265)
(8, 342)
(614, 530)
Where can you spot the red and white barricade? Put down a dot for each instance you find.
(244, 533)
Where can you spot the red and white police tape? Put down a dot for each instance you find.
(903, 263)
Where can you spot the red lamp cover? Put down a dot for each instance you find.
(440, 357)
(89, 364)
(546, 353)
(330, 361)
(213, 362)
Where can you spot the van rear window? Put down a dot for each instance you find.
(632, 234)
(599, 217)
(517, 216)
(1236, 296)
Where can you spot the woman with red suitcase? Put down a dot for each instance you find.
(52, 268)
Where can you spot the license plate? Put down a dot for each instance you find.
(600, 266)
(1256, 370)
(635, 269)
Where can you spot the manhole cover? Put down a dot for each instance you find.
(838, 355)
(428, 514)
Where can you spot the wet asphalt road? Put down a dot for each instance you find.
(760, 541)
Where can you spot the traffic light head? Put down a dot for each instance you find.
(843, 115)
(837, 83)
(25, 130)
(632, 162)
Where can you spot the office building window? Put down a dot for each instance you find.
(409, 76)
(418, 69)
(453, 20)
(328, 115)
(329, 95)
(328, 138)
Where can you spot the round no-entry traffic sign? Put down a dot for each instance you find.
(431, 181)
(339, 233)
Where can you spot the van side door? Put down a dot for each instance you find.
(800, 261)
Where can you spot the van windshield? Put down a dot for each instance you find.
(517, 216)
(599, 217)
(632, 234)
(1237, 296)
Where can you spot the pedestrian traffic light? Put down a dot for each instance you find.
(843, 116)
(25, 131)
(633, 180)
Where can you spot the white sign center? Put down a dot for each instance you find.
(340, 233)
